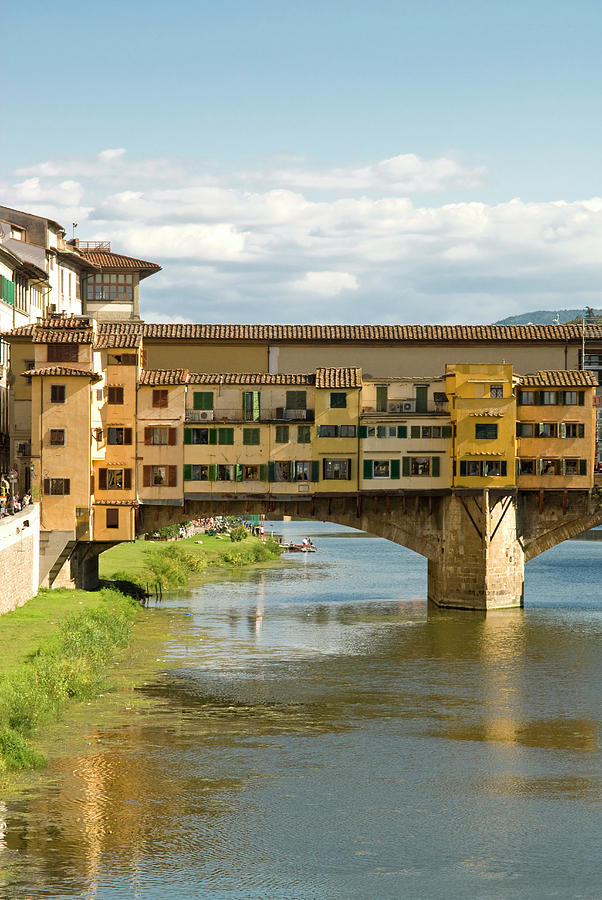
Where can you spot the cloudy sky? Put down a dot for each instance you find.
(391, 161)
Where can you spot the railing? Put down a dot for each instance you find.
(405, 408)
(273, 414)
(93, 245)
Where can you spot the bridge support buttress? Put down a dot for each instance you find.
(479, 563)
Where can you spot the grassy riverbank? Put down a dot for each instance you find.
(60, 645)
(173, 563)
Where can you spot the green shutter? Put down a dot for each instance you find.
(583, 467)
(446, 431)
(315, 470)
(402, 431)
(363, 431)
(291, 470)
(435, 466)
(562, 430)
(349, 462)
(405, 466)
(422, 393)
(225, 436)
(581, 430)
(256, 402)
(560, 398)
(187, 436)
(581, 398)
(296, 399)
(213, 435)
(213, 472)
(202, 400)
(263, 472)
(187, 473)
(395, 468)
(368, 468)
(538, 397)
(414, 431)
(381, 398)
(238, 472)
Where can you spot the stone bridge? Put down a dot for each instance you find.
(476, 543)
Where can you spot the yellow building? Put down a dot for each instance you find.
(482, 407)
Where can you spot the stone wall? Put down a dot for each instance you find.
(19, 558)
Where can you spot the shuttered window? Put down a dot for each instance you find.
(202, 400)
(225, 435)
(251, 436)
(112, 518)
(296, 399)
(57, 393)
(62, 353)
(160, 398)
(115, 396)
(57, 486)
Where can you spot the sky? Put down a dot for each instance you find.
(424, 161)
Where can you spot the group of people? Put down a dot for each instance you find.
(9, 505)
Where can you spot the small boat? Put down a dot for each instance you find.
(300, 548)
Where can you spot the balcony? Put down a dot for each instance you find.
(407, 408)
(274, 414)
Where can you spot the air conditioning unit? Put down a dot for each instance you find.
(395, 407)
(205, 415)
(295, 413)
(408, 406)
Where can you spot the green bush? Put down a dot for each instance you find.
(238, 534)
(172, 566)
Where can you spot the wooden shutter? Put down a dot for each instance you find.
(213, 472)
(446, 431)
(368, 466)
(395, 468)
(414, 431)
(67, 484)
(263, 472)
(102, 479)
(462, 468)
(148, 434)
(46, 480)
(91, 484)
(349, 461)
(127, 479)
(171, 436)
(363, 431)
(238, 472)
(127, 435)
(581, 398)
(435, 466)
(405, 466)
(581, 430)
(315, 470)
(583, 467)
(187, 473)
(112, 518)
(504, 468)
(213, 435)
(187, 436)
(146, 476)
(172, 476)
(271, 471)
(402, 431)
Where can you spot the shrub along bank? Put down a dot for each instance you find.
(68, 664)
(148, 563)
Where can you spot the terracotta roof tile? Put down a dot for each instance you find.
(115, 503)
(132, 339)
(62, 371)
(163, 376)
(488, 413)
(560, 378)
(339, 378)
(249, 378)
(58, 336)
(108, 260)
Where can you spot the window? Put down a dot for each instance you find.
(159, 476)
(251, 436)
(571, 429)
(548, 398)
(526, 467)
(16, 233)
(281, 471)
(381, 398)
(57, 486)
(328, 431)
(336, 469)
(296, 399)
(381, 431)
(111, 480)
(347, 431)
(303, 434)
(196, 435)
(338, 401)
(202, 400)
(57, 437)
(196, 473)
(380, 468)
(251, 406)
(160, 397)
(250, 473)
(281, 434)
(570, 398)
(476, 468)
(420, 466)
(225, 436)
(29, 364)
(109, 287)
(115, 396)
(546, 430)
(526, 398)
(486, 432)
(549, 466)
(57, 393)
(571, 466)
(62, 353)
(225, 473)
(525, 429)
(302, 471)
(431, 431)
(118, 435)
(159, 435)
(496, 391)
(112, 518)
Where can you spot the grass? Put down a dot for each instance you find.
(173, 563)
(67, 664)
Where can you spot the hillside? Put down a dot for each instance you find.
(545, 317)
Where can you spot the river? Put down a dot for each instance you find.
(314, 731)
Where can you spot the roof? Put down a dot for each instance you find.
(63, 371)
(96, 502)
(398, 334)
(60, 336)
(339, 378)
(163, 376)
(108, 260)
(488, 413)
(560, 378)
(117, 341)
(250, 378)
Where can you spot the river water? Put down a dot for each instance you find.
(314, 731)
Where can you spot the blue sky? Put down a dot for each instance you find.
(383, 161)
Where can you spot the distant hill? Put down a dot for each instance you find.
(545, 317)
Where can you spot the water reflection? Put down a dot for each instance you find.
(317, 733)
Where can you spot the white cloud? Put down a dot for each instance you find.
(252, 251)
(325, 284)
